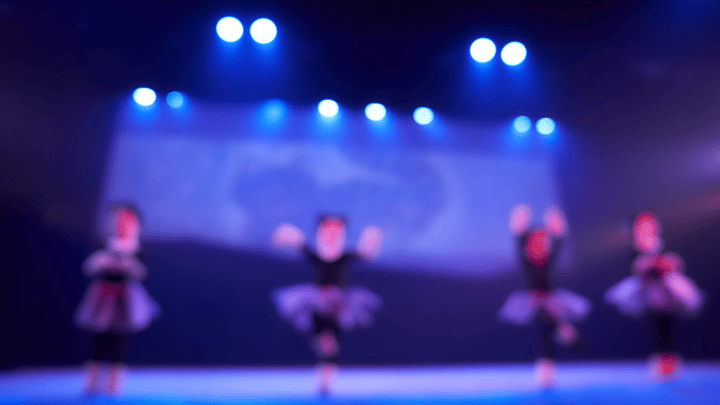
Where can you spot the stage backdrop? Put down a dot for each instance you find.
(229, 175)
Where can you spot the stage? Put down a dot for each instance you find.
(594, 383)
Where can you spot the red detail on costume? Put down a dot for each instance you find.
(670, 264)
(664, 264)
(111, 289)
(540, 294)
(658, 264)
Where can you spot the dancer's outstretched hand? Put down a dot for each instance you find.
(370, 242)
(520, 219)
(288, 236)
(555, 221)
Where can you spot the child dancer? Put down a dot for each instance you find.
(554, 309)
(327, 307)
(658, 289)
(115, 304)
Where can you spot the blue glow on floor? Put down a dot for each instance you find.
(500, 384)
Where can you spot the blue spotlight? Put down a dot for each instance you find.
(545, 126)
(513, 53)
(229, 29)
(375, 111)
(175, 99)
(263, 31)
(522, 124)
(423, 115)
(144, 96)
(328, 108)
(482, 50)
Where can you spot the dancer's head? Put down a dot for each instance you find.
(646, 232)
(537, 245)
(126, 221)
(330, 238)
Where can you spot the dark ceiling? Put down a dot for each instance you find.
(614, 71)
(593, 54)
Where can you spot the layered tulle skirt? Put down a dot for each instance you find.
(350, 307)
(674, 292)
(521, 307)
(116, 307)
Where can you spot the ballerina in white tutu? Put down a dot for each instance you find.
(656, 289)
(116, 304)
(554, 309)
(327, 307)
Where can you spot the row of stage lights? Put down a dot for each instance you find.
(146, 97)
(483, 50)
(230, 29)
(544, 126)
(264, 31)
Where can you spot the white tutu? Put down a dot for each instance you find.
(351, 307)
(521, 306)
(117, 307)
(673, 292)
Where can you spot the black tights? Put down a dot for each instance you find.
(109, 346)
(662, 326)
(547, 329)
(324, 324)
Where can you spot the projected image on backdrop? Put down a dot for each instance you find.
(226, 181)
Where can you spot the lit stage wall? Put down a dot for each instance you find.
(230, 174)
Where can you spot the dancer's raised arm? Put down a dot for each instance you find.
(370, 242)
(288, 236)
(555, 221)
(520, 219)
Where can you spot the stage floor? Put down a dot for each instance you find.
(589, 383)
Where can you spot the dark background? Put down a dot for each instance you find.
(637, 82)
